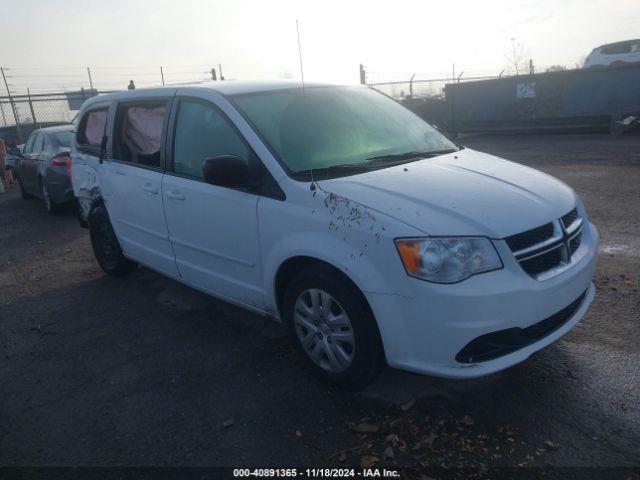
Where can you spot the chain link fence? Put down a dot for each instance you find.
(426, 97)
(22, 114)
(407, 89)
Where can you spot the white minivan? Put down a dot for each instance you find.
(614, 54)
(339, 212)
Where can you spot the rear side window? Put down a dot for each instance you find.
(63, 138)
(616, 49)
(91, 130)
(38, 144)
(202, 132)
(138, 133)
(28, 148)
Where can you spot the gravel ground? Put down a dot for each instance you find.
(97, 371)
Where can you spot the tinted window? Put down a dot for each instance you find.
(63, 138)
(138, 135)
(28, 148)
(616, 48)
(203, 132)
(325, 126)
(38, 144)
(91, 131)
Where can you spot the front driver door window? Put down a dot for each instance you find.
(213, 229)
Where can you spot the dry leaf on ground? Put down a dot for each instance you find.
(368, 461)
(365, 427)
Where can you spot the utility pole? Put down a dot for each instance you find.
(363, 75)
(162, 75)
(532, 69)
(90, 80)
(220, 68)
(515, 58)
(13, 105)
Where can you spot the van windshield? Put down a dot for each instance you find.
(326, 128)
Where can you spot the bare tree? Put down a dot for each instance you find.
(556, 68)
(516, 59)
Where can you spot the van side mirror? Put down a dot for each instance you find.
(227, 171)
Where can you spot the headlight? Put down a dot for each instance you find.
(447, 260)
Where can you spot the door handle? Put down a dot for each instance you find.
(174, 195)
(150, 189)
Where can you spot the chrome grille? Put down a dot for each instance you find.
(575, 242)
(544, 251)
(543, 262)
(569, 218)
(530, 238)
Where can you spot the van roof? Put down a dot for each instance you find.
(225, 87)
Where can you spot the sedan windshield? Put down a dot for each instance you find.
(345, 129)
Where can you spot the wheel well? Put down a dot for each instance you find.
(95, 203)
(292, 266)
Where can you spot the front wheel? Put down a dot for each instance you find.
(333, 328)
(106, 247)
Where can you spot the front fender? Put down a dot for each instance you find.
(357, 241)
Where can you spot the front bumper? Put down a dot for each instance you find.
(425, 332)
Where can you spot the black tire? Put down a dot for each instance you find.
(23, 192)
(49, 205)
(368, 354)
(106, 247)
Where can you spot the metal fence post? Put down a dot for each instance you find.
(33, 113)
(13, 106)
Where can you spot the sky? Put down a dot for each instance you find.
(48, 44)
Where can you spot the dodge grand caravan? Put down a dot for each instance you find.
(339, 212)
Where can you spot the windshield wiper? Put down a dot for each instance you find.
(408, 155)
(340, 168)
(371, 163)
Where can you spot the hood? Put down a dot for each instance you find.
(462, 193)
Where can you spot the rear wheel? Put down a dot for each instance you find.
(106, 247)
(23, 192)
(333, 328)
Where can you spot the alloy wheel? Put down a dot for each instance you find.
(324, 330)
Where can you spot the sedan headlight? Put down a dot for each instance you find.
(447, 260)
